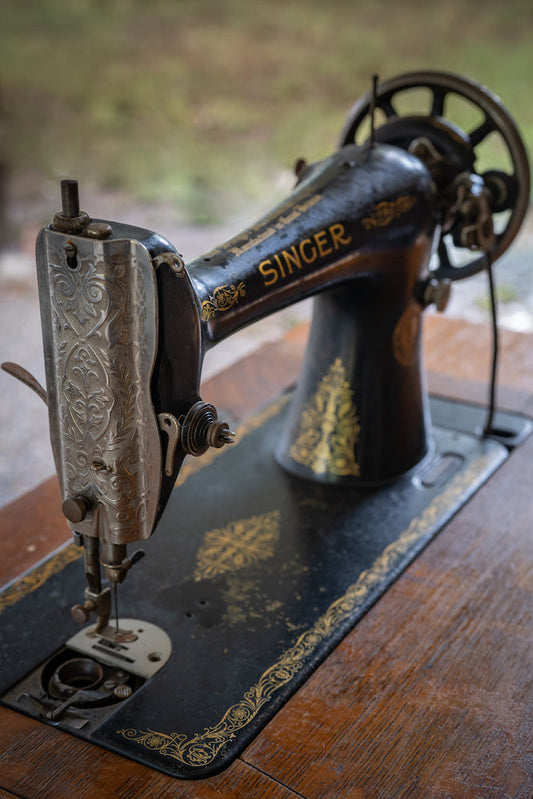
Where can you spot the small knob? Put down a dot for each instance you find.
(82, 613)
(79, 614)
(75, 508)
(218, 434)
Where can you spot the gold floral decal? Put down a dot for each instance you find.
(329, 427)
(202, 748)
(237, 545)
(383, 213)
(224, 298)
(39, 575)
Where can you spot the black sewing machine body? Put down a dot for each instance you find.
(251, 580)
(322, 239)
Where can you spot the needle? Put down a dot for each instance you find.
(115, 591)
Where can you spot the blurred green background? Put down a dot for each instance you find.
(202, 104)
(187, 116)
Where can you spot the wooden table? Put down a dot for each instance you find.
(426, 697)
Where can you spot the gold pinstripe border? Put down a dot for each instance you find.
(202, 749)
(39, 575)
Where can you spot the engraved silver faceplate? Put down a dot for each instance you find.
(99, 320)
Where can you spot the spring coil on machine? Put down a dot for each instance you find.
(200, 429)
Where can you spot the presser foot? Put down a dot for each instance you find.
(99, 603)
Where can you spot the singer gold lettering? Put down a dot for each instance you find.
(302, 255)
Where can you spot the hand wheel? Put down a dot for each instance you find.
(452, 150)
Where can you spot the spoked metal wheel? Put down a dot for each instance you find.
(459, 147)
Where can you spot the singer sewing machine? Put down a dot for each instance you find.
(274, 542)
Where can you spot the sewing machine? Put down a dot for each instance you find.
(278, 539)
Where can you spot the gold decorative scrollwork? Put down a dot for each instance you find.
(224, 297)
(329, 427)
(202, 748)
(237, 545)
(38, 576)
(383, 213)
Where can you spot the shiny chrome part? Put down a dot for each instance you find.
(99, 321)
(144, 656)
(170, 426)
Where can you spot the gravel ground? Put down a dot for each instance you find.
(25, 454)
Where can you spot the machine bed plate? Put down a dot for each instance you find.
(255, 576)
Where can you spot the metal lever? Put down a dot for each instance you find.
(197, 431)
(22, 374)
(170, 425)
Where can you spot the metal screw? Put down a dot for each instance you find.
(123, 691)
(98, 230)
(71, 253)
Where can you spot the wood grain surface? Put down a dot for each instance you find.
(429, 696)
(433, 685)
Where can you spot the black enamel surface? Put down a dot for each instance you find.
(246, 637)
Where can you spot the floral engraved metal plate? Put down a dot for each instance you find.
(99, 319)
